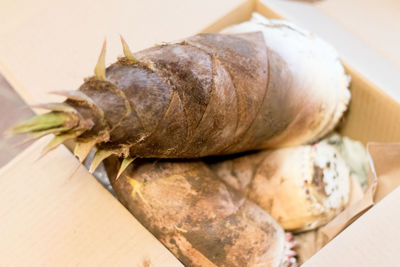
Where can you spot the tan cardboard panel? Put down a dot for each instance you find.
(386, 158)
(51, 216)
(372, 240)
(372, 116)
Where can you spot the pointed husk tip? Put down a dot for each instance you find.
(43, 122)
(127, 52)
(100, 69)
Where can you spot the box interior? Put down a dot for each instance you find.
(372, 116)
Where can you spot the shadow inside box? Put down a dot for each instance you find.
(13, 110)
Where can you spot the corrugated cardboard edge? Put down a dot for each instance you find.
(373, 116)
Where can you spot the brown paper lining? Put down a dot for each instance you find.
(383, 178)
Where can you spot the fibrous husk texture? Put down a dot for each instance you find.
(210, 94)
(200, 219)
(301, 187)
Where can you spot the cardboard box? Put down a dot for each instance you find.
(53, 213)
(359, 40)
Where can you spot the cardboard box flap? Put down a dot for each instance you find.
(53, 213)
(386, 161)
(372, 240)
